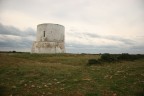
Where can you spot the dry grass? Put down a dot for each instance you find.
(24, 74)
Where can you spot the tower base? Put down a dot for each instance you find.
(48, 47)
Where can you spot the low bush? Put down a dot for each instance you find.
(93, 62)
(129, 57)
(111, 58)
(119, 57)
(108, 57)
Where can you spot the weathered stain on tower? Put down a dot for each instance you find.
(50, 39)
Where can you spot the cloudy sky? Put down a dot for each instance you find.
(91, 26)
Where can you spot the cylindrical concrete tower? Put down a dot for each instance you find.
(50, 39)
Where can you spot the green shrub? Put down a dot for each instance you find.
(93, 62)
(126, 56)
(114, 58)
(108, 57)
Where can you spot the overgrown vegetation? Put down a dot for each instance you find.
(112, 58)
(24, 74)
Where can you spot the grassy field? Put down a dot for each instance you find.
(24, 74)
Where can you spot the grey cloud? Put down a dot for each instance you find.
(114, 38)
(92, 35)
(141, 47)
(79, 48)
(74, 47)
(10, 30)
(12, 38)
(15, 44)
(124, 40)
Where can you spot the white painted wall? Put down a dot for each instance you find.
(53, 32)
(50, 39)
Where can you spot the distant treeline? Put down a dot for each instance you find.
(115, 58)
(12, 52)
